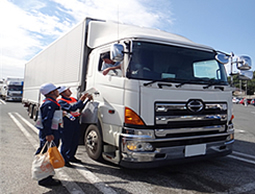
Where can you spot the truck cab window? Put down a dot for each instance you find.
(153, 61)
(108, 66)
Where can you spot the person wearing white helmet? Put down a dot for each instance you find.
(70, 133)
(48, 131)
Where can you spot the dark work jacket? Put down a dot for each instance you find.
(47, 111)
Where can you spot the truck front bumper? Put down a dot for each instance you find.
(12, 98)
(143, 151)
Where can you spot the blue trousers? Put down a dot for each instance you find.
(70, 135)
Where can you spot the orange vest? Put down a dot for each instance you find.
(71, 102)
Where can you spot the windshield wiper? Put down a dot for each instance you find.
(214, 82)
(183, 83)
(154, 81)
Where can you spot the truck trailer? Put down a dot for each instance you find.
(170, 102)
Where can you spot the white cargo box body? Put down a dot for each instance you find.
(60, 64)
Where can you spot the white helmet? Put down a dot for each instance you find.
(47, 88)
(62, 89)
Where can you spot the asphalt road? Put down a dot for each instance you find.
(232, 174)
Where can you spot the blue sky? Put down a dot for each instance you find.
(28, 26)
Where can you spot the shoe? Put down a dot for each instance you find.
(75, 160)
(67, 164)
(49, 182)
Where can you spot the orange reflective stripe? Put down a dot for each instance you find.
(71, 102)
(51, 101)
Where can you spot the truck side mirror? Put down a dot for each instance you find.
(222, 58)
(243, 63)
(117, 52)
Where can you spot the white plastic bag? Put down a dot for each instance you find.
(41, 166)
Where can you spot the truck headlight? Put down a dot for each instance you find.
(230, 137)
(139, 146)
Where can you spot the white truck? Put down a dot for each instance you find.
(1, 86)
(170, 101)
(12, 89)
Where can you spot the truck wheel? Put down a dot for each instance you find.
(93, 142)
(30, 111)
(35, 113)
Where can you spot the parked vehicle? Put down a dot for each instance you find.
(235, 100)
(1, 85)
(12, 89)
(253, 102)
(170, 102)
(245, 101)
(242, 101)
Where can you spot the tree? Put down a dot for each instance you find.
(250, 84)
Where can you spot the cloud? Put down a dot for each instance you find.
(24, 33)
(29, 26)
(137, 12)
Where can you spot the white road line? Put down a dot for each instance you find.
(22, 128)
(28, 123)
(3, 102)
(245, 155)
(67, 181)
(241, 159)
(99, 184)
(239, 130)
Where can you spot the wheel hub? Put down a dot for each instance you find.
(92, 140)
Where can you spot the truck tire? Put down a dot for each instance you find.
(35, 113)
(93, 142)
(30, 111)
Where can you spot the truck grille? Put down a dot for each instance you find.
(15, 94)
(194, 113)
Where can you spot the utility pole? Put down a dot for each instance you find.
(246, 87)
(240, 85)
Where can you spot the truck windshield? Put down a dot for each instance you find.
(151, 61)
(15, 88)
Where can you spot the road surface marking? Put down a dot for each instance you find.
(68, 182)
(28, 123)
(3, 102)
(99, 184)
(25, 132)
(239, 131)
(241, 159)
(245, 155)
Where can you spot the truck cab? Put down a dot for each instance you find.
(170, 102)
(12, 89)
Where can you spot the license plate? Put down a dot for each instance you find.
(195, 150)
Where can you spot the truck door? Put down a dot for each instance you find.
(111, 89)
